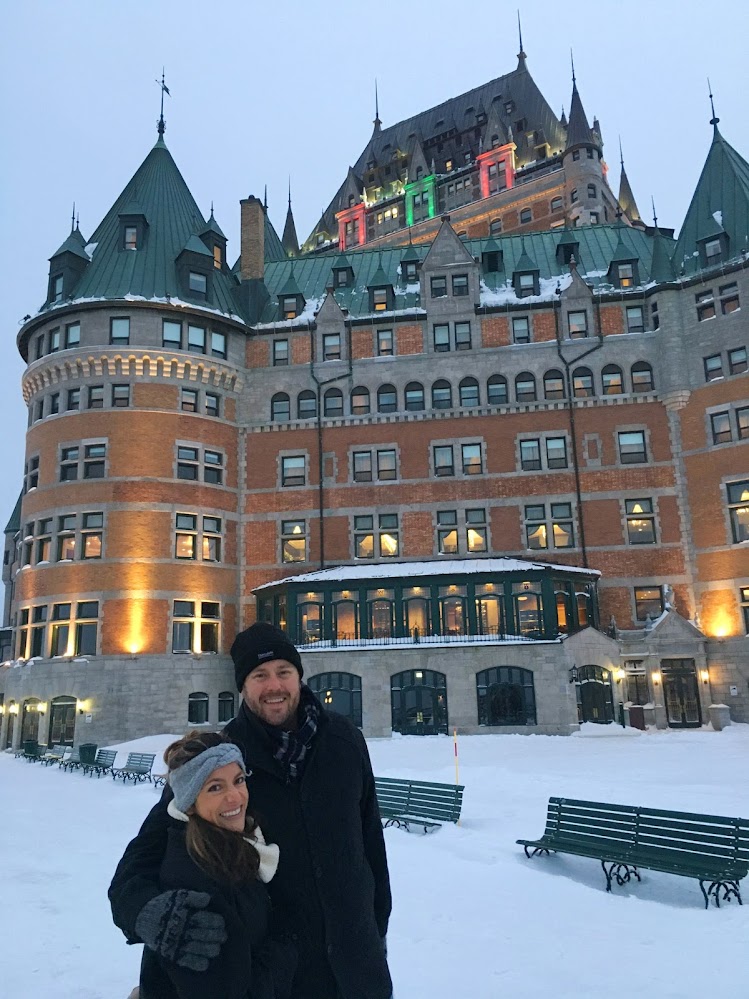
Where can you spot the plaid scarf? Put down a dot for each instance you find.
(292, 746)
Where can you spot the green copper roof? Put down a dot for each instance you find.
(524, 262)
(720, 203)
(158, 191)
(14, 523)
(273, 248)
(662, 267)
(212, 226)
(74, 245)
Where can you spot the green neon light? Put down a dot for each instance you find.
(425, 185)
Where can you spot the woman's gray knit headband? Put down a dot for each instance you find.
(186, 781)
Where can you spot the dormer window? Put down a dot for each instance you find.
(379, 299)
(526, 284)
(626, 275)
(57, 288)
(448, 166)
(713, 251)
(217, 257)
(410, 270)
(341, 278)
(131, 237)
(290, 306)
(198, 284)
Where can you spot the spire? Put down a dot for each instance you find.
(72, 220)
(578, 130)
(661, 264)
(289, 240)
(161, 127)
(627, 201)
(715, 119)
(521, 54)
(377, 123)
(563, 119)
(265, 200)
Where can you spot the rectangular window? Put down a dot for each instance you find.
(578, 324)
(460, 285)
(476, 538)
(293, 470)
(712, 251)
(738, 509)
(648, 602)
(742, 423)
(379, 299)
(521, 329)
(441, 337)
(388, 535)
(69, 464)
(86, 628)
(189, 400)
(39, 618)
(720, 424)
(362, 466)
(66, 538)
(31, 473)
(530, 455)
(626, 275)
(54, 341)
(218, 344)
(130, 237)
(120, 396)
(562, 530)
(386, 465)
(57, 288)
(72, 335)
(705, 306)
(640, 522)
(54, 403)
(186, 537)
(331, 347)
(729, 298)
(280, 353)
(384, 343)
(556, 452)
(654, 317)
(443, 460)
(471, 457)
(39, 347)
(737, 360)
(96, 397)
(44, 540)
(462, 336)
(294, 540)
(213, 471)
(713, 367)
(526, 285)
(635, 319)
(196, 339)
(536, 533)
(92, 535)
(745, 607)
(632, 447)
(211, 540)
(212, 406)
(94, 456)
(447, 532)
(171, 334)
(187, 463)
(364, 537)
(438, 287)
(198, 284)
(60, 629)
(119, 330)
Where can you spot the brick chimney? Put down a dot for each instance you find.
(252, 239)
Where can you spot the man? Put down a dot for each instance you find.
(312, 790)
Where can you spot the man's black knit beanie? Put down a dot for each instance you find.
(258, 644)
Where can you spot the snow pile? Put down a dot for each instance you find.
(472, 917)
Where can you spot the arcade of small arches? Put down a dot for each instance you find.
(49, 722)
(417, 398)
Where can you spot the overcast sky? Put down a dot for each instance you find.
(261, 91)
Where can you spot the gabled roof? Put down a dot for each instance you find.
(196, 245)
(158, 191)
(720, 203)
(623, 252)
(73, 244)
(525, 263)
(212, 226)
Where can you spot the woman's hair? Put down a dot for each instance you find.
(221, 853)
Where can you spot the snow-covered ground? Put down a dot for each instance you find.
(473, 919)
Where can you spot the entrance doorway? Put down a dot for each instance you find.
(30, 720)
(62, 721)
(681, 693)
(595, 700)
(419, 702)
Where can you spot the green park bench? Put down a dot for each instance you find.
(102, 764)
(53, 755)
(406, 802)
(137, 768)
(71, 761)
(712, 849)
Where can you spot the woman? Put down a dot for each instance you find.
(213, 875)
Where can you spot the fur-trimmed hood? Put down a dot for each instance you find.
(268, 852)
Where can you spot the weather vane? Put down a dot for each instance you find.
(164, 90)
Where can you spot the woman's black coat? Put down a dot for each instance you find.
(331, 891)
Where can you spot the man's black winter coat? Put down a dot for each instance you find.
(331, 891)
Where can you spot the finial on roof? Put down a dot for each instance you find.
(211, 209)
(289, 190)
(572, 63)
(377, 123)
(265, 198)
(621, 154)
(655, 217)
(715, 119)
(72, 220)
(164, 90)
(563, 119)
(521, 54)
(78, 221)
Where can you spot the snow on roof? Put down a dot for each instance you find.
(450, 567)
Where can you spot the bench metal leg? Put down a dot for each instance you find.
(537, 850)
(730, 890)
(622, 873)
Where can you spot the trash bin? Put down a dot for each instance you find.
(637, 716)
(720, 716)
(87, 752)
(30, 747)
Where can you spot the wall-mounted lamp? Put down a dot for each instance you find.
(574, 674)
(656, 678)
(619, 675)
(42, 707)
(705, 676)
(2, 710)
(13, 709)
(82, 707)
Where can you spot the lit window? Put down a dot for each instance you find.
(745, 607)
(217, 257)
(66, 537)
(632, 447)
(92, 534)
(476, 538)
(447, 532)
(289, 306)
(640, 522)
(626, 275)
(195, 626)
(293, 541)
(293, 470)
(648, 602)
(738, 507)
(379, 299)
(720, 424)
(521, 330)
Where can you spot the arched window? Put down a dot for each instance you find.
(582, 383)
(387, 399)
(280, 408)
(453, 610)
(642, 377)
(333, 402)
(442, 395)
(414, 396)
(226, 707)
(417, 612)
(526, 215)
(360, 401)
(339, 692)
(419, 702)
(496, 390)
(345, 605)
(306, 405)
(613, 380)
(556, 204)
(563, 599)
(506, 696)
(527, 609)
(554, 384)
(310, 619)
(495, 227)
(469, 393)
(197, 708)
(62, 721)
(525, 387)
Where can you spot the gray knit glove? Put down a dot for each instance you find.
(173, 925)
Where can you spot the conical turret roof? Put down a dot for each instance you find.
(627, 201)
(578, 129)
(289, 239)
